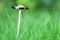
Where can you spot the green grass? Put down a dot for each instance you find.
(35, 25)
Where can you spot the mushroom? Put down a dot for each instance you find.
(19, 7)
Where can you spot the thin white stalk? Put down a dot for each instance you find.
(18, 28)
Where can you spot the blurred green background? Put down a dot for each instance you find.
(40, 22)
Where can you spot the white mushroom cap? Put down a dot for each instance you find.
(19, 7)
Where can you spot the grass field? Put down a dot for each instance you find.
(35, 25)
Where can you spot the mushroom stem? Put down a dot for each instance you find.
(18, 28)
